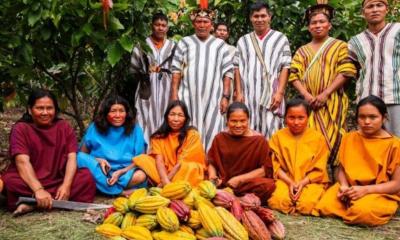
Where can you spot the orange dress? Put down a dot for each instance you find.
(366, 161)
(191, 156)
(298, 158)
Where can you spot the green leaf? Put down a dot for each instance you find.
(138, 5)
(126, 42)
(87, 28)
(33, 17)
(114, 53)
(76, 37)
(115, 24)
(216, 2)
(46, 33)
(26, 53)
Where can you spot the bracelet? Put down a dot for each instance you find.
(227, 96)
(40, 188)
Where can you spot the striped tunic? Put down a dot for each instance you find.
(150, 112)
(276, 51)
(379, 60)
(203, 65)
(330, 119)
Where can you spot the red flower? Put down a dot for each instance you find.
(107, 5)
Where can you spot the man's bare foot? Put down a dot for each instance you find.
(128, 192)
(1, 184)
(22, 209)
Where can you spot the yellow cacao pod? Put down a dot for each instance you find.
(146, 220)
(154, 191)
(139, 193)
(189, 199)
(210, 220)
(136, 233)
(129, 220)
(114, 218)
(117, 238)
(176, 190)
(194, 220)
(121, 205)
(202, 233)
(207, 189)
(177, 235)
(150, 204)
(198, 199)
(229, 190)
(108, 230)
(167, 219)
(187, 229)
(232, 227)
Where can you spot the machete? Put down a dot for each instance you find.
(71, 205)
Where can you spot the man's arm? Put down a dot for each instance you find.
(176, 80)
(280, 91)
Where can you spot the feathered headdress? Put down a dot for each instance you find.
(321, 7)
(202, 11)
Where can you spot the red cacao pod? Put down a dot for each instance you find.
(255, 226)
(236, 209)
(266, 214)
(181, 210)
(277, 229)
(223, 199)
(250, 201)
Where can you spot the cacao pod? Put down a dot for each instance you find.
(114, 218)
(223, 199)
(189, 199)
(108, 230)
(266, 214)
(186, 229)
(177, 235)
(255, 226)
(180, 209)
(216, 238)
(176, 190)
(202, 233)
(207, 189)
(229, 190)
(232, 227)
(150, 204)
(198, 199)
(109, 211)
(194, 220)
(129, 220)
(236, 209)
(146, 220)
(139, 193)
(210, 220)
(154, 191)
(277, 229)
(136, 233)
(121, 205)
(250, 201)
(167, 219)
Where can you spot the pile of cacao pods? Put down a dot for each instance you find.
(179, 212)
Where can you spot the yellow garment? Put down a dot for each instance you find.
(365, 161)
(191, 156)
(299, 157)
(330, 119)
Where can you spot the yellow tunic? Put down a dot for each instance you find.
(298, 158)
(191, 156)
(365, 161)
(330, 119)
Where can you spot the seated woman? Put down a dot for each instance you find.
(43, 152)
(369, 173)
(176, 152)
(299, 157)
(108, 148)
(239, 157)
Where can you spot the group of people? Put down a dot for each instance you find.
(195, 133)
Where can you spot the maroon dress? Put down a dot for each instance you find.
(48, 149)
(233, 156)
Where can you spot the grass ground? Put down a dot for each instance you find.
(69, 225)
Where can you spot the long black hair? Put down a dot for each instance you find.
(165, 129)
(101, 118)
(376, 102)
(35, 95)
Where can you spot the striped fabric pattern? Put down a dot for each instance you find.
(329, 120)
(203, 64)
(150, 112)
(276, 51)
(379, 60)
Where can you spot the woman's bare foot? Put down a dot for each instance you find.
(22, 209)
(1, 184)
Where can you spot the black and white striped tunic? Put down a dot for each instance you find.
(276, 51)
(203, 64)
(150, 112)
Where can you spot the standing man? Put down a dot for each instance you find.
(151, 109)
(376, 52)
(222, 31)
(202, 69)
(264, 63)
